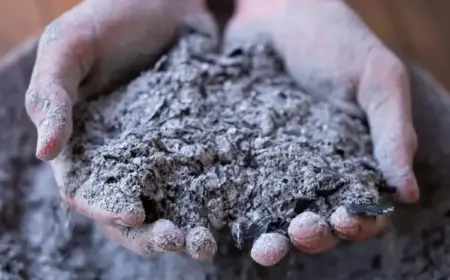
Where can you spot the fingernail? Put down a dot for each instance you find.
(52, 132)
(46, 147)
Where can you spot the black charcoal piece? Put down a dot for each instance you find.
(369, 210)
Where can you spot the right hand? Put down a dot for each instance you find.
(83, 53)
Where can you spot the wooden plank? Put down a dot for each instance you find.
(418, 29)
(51, 9)
(18, 19)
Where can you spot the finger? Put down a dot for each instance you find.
(353, 227)
(160, 237)
(269, 249)
(384, 94)
(310, 233)
(50, 109)
(200, 244)
(132, 215)
(64, 52)
(166, 237)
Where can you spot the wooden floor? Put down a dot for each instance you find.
(22, 18)
(419, 29)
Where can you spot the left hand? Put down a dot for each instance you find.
(331, 52)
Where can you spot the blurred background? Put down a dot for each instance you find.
(417, 29)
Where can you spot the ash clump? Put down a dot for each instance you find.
(215, 138)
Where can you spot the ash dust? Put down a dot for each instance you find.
(213, 138)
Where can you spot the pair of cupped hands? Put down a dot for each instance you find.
(326, 48)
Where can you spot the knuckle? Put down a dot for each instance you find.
(71, 34)
(57, 27)
(51, 32)
(35, 100)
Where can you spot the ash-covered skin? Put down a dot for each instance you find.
(212, 139)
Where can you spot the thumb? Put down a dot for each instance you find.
(53, 87)
(384, 94)
(49, 107)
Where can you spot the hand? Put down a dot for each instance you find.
(86, 51)
(331, 53)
